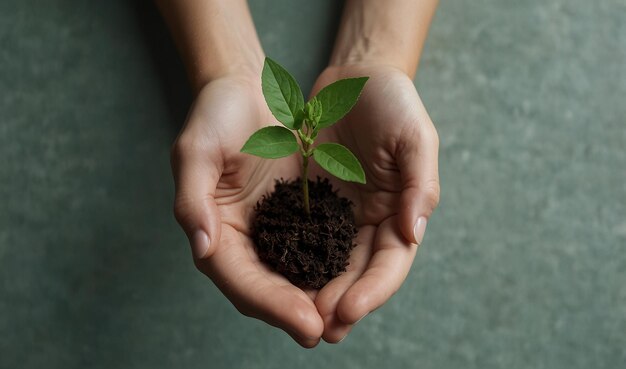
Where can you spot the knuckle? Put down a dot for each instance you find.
(430, 133)
(182, 210)
(177, 150)
(175, 155)
(435, 137)
(432, 193)
(187, 145)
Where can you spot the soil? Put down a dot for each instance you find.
(309, 252)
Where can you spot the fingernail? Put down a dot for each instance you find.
(199, 244)
(419, 229)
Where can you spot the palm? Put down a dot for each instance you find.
(374, 131)
(225, 113)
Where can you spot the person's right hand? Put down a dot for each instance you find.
(216, 190)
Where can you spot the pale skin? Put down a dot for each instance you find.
(389, 130)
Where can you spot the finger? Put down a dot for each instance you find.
(328, 297)
(417, 160)
(385, 272)
(197, 169)
(259, 293)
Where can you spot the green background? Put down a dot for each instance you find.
(523, 265)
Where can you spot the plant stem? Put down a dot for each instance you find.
(305, 183)
(306, 141)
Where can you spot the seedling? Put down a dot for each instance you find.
(286, 102)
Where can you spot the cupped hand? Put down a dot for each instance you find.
(391, 133)
(216, 190)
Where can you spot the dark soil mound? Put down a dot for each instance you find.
(309, 252)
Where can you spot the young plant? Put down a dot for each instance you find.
(286, 102)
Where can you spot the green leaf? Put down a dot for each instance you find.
(271, 142)
(313, 111)
(338, 98)
(282, 93)
(298, 120)
(339, 161)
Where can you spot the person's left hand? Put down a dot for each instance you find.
(392, 135)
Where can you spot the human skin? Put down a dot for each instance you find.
(217, 186)
(390, 131)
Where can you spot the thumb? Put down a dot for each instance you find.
(417, 160)
(196, 173)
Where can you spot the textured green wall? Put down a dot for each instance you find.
(524, 263)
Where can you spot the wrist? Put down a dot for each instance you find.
(362, 54)
(216, 38)
(390, 33)
(244, 70)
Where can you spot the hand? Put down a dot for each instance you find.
(391, 133)
(216, 190)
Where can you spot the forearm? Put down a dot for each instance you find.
(390, 32)
(215, 38)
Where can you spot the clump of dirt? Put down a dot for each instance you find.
(309, 252)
